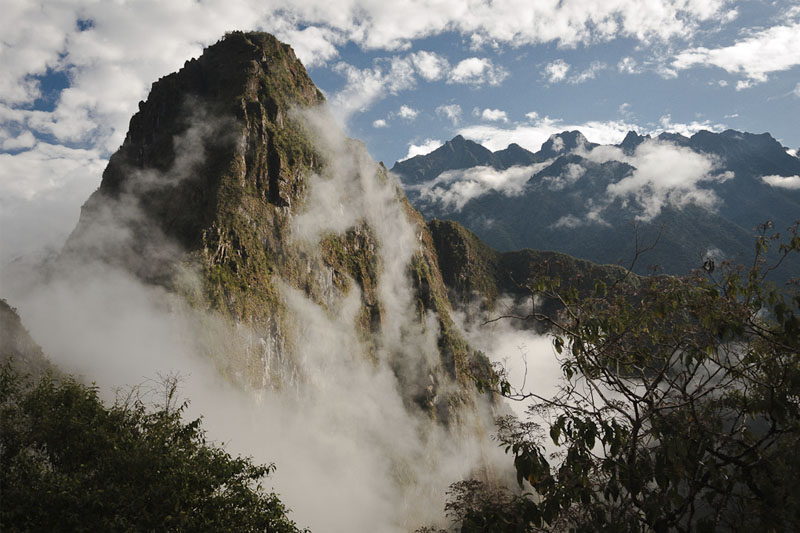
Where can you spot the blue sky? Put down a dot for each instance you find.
(403, 76)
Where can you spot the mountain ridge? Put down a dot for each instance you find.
(706, 192)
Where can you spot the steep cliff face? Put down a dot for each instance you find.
(212, 195)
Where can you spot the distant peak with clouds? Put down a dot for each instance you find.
(707, 191)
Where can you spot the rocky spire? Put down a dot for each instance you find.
(214, 171)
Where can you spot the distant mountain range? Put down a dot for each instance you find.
(704, 195)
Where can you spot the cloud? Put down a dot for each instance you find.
(494, 115)
(556, 71)
(568, 221)
(452, 189)
(407, 113)
(590, 73)
(571, 174)
(430, 65)
(477, 71)
(41, 191)
(755, 56)
(628, 65)
(366, 86)
(380, 123)
(664, 174)
(783, 182)
(450, 111)
(23, 140)
(113, 47)
(427, 146)
(313, 45)
(686, 129)
(533, 134)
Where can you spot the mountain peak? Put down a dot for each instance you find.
(218, 166)
(632, 140)
(674, 138)
(219, 125)
(564, 142)
(513, 155)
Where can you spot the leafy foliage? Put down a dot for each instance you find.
(679, 409)
(71, 464)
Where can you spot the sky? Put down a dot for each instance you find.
(402, 76)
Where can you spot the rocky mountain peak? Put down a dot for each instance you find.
(514, 154)
(218, 169)
(631, 141)
(561, 143)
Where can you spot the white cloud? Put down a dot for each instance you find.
(539, 129)
(450, 111)
(686, 129)
(628, 65)
(532, 135)
(366, 86)
(380, 123)
(556, 71)
(313, 45)
(665, 175)
(568, 221)
(590, 73)
(571, 174)
(796, 91)
(784, 182)
(23, 140)
(430, 65)
(427, 146)
(477, 71)
(755, 56)
(41, 191)
(407, 113)
(452, 189)
(494, 115)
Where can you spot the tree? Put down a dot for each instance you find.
(69, 463)
(679, 409)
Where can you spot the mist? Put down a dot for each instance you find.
(352, 454)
